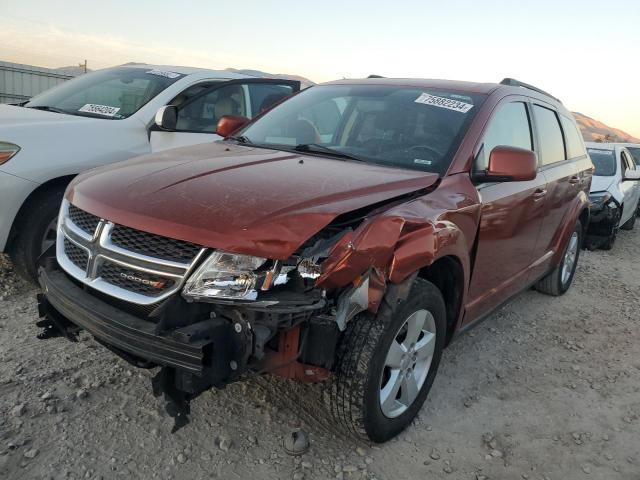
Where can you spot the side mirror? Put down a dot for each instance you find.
(228, 124)
(631, 174)
(511, 164)
(167, 117)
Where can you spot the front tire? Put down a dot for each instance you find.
(560, 279)
(387, 364)
(629, 224)
(35, 232)
(610, 241)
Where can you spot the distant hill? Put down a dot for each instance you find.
(593, 131)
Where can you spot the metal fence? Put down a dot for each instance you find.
(19, 83)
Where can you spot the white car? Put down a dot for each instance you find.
(615, 193)
(634, 150)
(104, 117)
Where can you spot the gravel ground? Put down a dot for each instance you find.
(545, 388)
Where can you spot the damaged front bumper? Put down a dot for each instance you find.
(196, 346)
(206, 344)
(179, 349)
(605, 215)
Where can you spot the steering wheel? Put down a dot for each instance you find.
(432, 151)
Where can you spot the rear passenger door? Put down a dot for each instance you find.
(564, 160)
(511, 216)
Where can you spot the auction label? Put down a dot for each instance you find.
(104, 110)
(458, 106)
(162, 73)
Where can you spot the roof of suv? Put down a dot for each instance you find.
(473, 87)
(461, 86)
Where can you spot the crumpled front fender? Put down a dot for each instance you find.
(391, 248)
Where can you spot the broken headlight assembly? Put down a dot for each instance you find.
(226, 276)
(598, 200)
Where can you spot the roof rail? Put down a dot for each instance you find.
(512, 82)
(375, 76)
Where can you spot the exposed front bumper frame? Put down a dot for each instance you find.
(120, 329)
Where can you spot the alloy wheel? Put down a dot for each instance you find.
(570, 257)
(407, 363)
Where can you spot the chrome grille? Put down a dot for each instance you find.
(134, 280)
(121, 262)
(83, 220)
(77, 255)
(153, 245)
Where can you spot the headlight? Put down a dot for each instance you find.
(7, 151)
(599, 199)
(225, 276)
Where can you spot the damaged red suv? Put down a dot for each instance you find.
(344, 236)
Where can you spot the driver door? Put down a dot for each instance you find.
(201, 106)
(511, 217)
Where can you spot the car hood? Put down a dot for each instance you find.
(601, 184)
(14, 116)
(236, 198)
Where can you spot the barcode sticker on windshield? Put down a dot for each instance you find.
(162, 73)
(104, 110)
(428, 99)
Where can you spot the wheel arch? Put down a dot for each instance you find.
(34, 196)
(584, 218)
(447, 274)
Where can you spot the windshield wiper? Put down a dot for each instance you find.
(317, 148)
(46, 108)
(240, 139)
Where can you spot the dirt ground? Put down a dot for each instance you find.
(545, 388)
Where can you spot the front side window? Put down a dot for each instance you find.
(202, 113)
(551, 140)
(264, 95)
(406, 127)
(575, 144)
(509, 127)
(115, 93)
(627, 163)
(604, 161)
(635, 153)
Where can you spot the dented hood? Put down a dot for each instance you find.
(236, 198)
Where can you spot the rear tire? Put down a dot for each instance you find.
(560, 279)
(373, 363)
(32, 229)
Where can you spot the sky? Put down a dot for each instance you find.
(584, 52)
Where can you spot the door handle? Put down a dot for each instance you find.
(539, 193)
(575, 179)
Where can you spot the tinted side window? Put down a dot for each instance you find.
(510, 127)
(635, 152)
(264, 95)
(202, 114)
(573, 138)
(627, 163)
(551, 141)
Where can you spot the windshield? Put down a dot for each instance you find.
(114, 93)
(405, 127)
(604, 161)
(635, 152)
